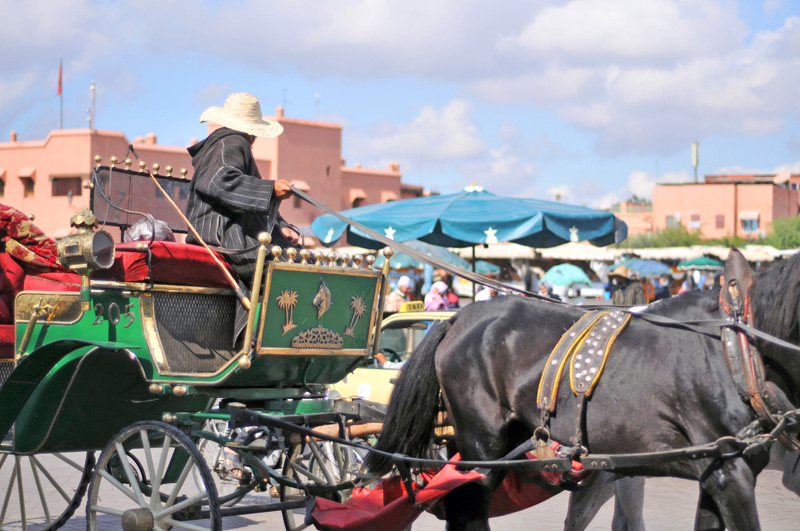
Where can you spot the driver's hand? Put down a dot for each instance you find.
(291, 235)
(281, 189)
(380, 358)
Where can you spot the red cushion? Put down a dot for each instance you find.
(172, 263)
(5, 313)
(51, 281)
(7, 341)
(12, 272)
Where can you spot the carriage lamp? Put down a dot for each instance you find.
(86, 251)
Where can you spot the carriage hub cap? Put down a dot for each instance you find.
(137, 520)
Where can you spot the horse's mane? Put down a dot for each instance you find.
(774, 299)
(692, 305)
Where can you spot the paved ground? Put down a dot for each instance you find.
(669, 506)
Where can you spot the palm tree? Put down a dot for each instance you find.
(287, 300)
(359, 309)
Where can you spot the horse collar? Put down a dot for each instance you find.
(585, 346)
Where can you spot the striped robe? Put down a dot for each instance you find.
(229, 203)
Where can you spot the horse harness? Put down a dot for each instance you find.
(744, 360)
(585, 346)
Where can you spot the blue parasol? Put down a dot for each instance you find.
(566, 275)
(403, 261)
(702, 263)
(646, 268)
(472, 217)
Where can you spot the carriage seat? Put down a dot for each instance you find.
(172, 263)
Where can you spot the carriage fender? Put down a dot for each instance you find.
(32, 369)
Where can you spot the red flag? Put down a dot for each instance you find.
(59, 78)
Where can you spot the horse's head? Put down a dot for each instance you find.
(734, 295)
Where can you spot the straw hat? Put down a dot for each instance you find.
(242, 112)
(621, 271)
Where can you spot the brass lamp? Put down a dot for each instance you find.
(87, 250)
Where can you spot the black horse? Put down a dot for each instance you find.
(662, 388)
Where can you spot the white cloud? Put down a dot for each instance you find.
(503, 171)
(447, 133)
(587, 193)
(793, 167)
(562, 192)
(645, 77)
(214, 94)
(641, 183)
(630, 31)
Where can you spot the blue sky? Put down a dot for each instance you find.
(588, 100)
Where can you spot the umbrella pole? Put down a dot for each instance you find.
(474, 286)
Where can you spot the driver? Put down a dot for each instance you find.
(229, 203)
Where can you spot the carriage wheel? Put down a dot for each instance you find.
(160, 495)
(319, 463)
(229, 488)
(42, 491)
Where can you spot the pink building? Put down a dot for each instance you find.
(638, 216)
(44, 177)
(732, 205)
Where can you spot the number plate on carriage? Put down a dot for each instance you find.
(317, 309)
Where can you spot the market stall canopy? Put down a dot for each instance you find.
(473, 217)
(566, 275)
(702, 263)
(646, 268)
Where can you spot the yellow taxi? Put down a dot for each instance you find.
(401, 332)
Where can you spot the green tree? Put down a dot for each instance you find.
(678, 236)
(785, 233)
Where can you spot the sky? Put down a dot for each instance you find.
(588, 102)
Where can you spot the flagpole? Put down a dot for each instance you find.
(61, 93)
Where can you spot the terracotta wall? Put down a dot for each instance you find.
(308, 153)
(698, 205)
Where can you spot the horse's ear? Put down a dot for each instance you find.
(736, 280)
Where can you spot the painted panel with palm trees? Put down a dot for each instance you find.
(318, 309)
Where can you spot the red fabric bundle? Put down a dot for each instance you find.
(387, 506)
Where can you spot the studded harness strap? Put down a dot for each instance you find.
(586, 345)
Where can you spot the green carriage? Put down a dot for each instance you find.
(124, 374)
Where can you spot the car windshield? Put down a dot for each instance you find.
(404, 336)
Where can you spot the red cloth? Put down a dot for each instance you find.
(387, 507)
(518, 492)
(26, 242)
(172, 263)
(7, 342)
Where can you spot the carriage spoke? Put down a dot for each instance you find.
(123, 457)
(106, 510)
(122, 488)
(18, 468)
(323, 462)
(42, 498)
(70, 462)
(52, 480)
(162, 463)
(307, 473)
(188, 502)
(181, 480)
(155, 483)
(9, 489)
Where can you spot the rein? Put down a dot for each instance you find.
(708, 327)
